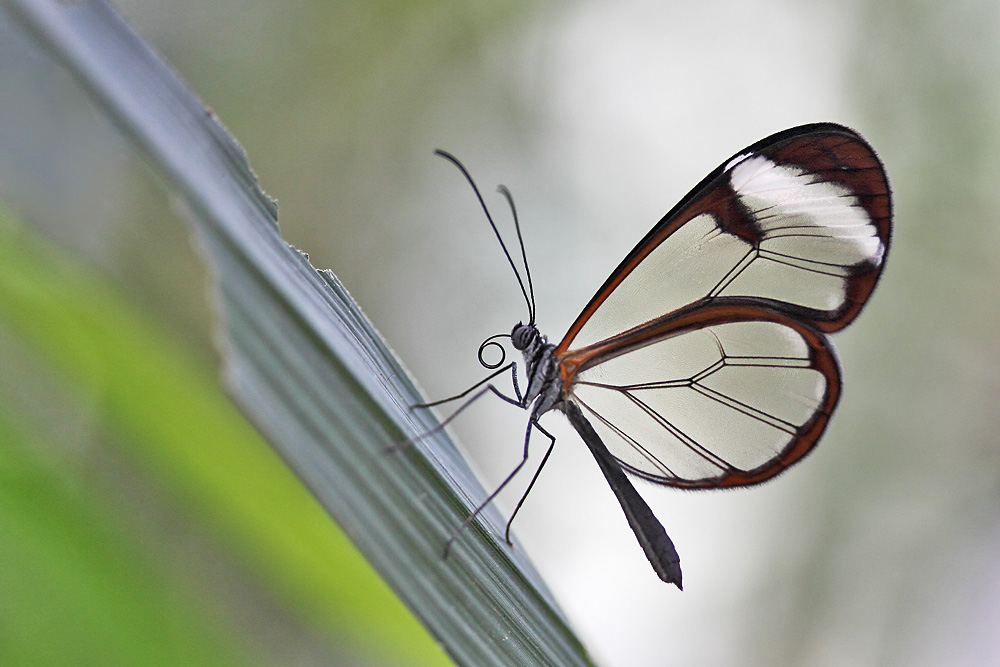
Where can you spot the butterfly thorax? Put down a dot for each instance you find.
(545, 387)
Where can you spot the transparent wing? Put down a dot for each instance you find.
(799, 221)
(727, 394)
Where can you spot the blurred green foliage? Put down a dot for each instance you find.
(77, 589)
(79, 584)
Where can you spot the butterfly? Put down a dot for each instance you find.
(704, 360)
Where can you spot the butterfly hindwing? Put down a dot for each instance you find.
(727, 394)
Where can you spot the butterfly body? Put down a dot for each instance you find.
(545, 388)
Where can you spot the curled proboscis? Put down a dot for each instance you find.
(491, 342)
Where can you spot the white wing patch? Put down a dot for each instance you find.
(794, 239)
(812, 234)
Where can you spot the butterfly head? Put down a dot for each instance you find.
(523, 336)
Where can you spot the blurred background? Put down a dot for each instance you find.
(124, 535)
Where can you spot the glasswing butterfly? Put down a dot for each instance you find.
(704, 360)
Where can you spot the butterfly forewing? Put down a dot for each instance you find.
(721, 395)
(799, 221)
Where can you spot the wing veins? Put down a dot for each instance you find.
(686, 440)
(645, 453)
(810, 200)
(802, 363)
(694, 383)
(747, 410)
(735, 272)
(817, 232)
(790, 260)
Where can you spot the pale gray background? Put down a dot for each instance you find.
(882, 547)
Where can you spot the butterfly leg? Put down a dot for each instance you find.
(518, 401)
(512, 367)
(532, 423)
(524, 496)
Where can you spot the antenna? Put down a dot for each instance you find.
(524, 256)
(528, 292)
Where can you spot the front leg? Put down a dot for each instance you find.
(512, 367)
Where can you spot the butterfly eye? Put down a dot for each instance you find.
(523, 335)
